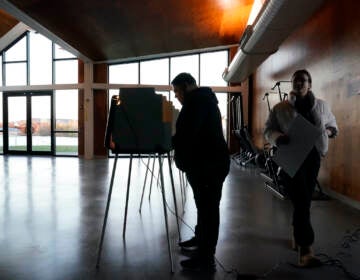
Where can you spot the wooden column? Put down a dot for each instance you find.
(100, 110)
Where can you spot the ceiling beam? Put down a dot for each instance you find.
(165, 55)
(12, 35)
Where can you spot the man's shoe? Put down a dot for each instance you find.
(199, 264)
(189, 245)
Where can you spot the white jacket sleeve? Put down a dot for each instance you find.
(329, 118)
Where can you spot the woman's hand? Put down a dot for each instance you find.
(282, 140)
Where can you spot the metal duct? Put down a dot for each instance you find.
(276, 21)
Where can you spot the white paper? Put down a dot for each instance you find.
(303, 136)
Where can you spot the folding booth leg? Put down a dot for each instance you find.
(174, 196)
(165, 212)
(181, 189)
(152, 176)
(127, 194)
(106, 212)
(146, 173)
(158, 177)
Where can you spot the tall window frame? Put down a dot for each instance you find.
(57, 57)
(170, 94)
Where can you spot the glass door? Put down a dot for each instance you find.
(16, 124)
(28, 123)
(41, 123)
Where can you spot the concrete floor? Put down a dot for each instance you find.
(52, 209)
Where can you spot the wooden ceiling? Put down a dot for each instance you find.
(6, 22)
(119, 29)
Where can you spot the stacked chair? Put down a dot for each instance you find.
(247, 151)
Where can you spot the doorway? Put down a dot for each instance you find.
(28, 123)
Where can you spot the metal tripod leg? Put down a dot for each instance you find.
(127, 194)
(158, 177)
(152, 176)
(146, 173)
(106, 212)
(182, 190)
(165, 212)
(174, 196)
(184, 185)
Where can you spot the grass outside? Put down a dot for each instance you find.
(58, 149)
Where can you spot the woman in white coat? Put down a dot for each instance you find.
(301, 187)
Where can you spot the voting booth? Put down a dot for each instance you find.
(140, 122)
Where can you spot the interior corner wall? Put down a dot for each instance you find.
(328, 45)
(100, 110)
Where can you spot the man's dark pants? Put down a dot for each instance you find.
(207, 187)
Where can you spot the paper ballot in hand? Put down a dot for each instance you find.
(303, 136)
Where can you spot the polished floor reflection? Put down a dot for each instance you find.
(52, 209)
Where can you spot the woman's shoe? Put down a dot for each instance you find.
(307, 258)
(294, 245)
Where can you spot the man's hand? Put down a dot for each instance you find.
(282, 140)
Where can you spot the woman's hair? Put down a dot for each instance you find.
(302, 72)
(182, 79)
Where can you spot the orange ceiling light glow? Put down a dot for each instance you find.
(234, 16)
(226, 4)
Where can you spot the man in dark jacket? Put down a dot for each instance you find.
(201, 152)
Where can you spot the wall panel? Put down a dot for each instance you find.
(328, 45)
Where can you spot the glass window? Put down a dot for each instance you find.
(127, 73)
(40, 59)
(113, 92)
(163, 93)
(67, 143)
(41, 123)
(154, 72)
(15, 74)
(66, 72)
(1, 81)
(158, 72)
(212, 66)
(174, 100)
(188, 64)
(1, 143)
(17, 52)
(1, 111)
(66, 103)
(60, 52)
(17, 123)
(66, 122)
(41, 64)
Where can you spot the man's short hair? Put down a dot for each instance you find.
(182, 79)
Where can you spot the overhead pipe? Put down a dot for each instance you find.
(276, 20)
